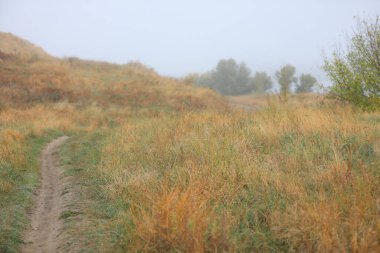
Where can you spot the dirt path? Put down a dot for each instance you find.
(44, 232)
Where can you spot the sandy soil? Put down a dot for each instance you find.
(45, 232)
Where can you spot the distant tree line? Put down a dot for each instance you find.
(232, 78)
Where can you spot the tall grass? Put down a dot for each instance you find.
(178, 170)
(41, 95)
(23, 132)
(282, 179)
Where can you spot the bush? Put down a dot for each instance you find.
(355, 73)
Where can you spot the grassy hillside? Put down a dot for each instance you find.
(42, 97)
(27, 80)
(157, 165)
(20, 48)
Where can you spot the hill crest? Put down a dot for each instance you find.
(11, 44)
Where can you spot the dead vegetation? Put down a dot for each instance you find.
(282, 179)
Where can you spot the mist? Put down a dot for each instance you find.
(177, 37)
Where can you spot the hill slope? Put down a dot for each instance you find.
(13, 45)
(43, 97)
(28, 76)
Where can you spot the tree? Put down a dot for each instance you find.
(261, 82)
(285, 77)
(228, 78)
(306, 83)
(355, 72)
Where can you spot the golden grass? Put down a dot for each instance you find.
(42, 96)
(190, 174)
(40, 93)
(256, 101)
(13, 45)
(282, 179)
(82, 83)
(11, 147)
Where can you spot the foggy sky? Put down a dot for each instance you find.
(178, 37)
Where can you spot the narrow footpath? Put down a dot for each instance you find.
(44, 233)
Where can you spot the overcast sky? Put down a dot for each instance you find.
(178, 37)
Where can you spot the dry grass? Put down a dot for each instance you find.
(188, 174)
(282, 179)
(257, 101)
(12, 45)
(45, 80)
(19, 125)
(40, 94)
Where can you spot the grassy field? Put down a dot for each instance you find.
(282, 179)
(160, 166)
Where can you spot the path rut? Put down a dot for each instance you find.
(44, 234)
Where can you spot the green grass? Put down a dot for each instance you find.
(87, 218)
(16, 203)
(301, 180)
